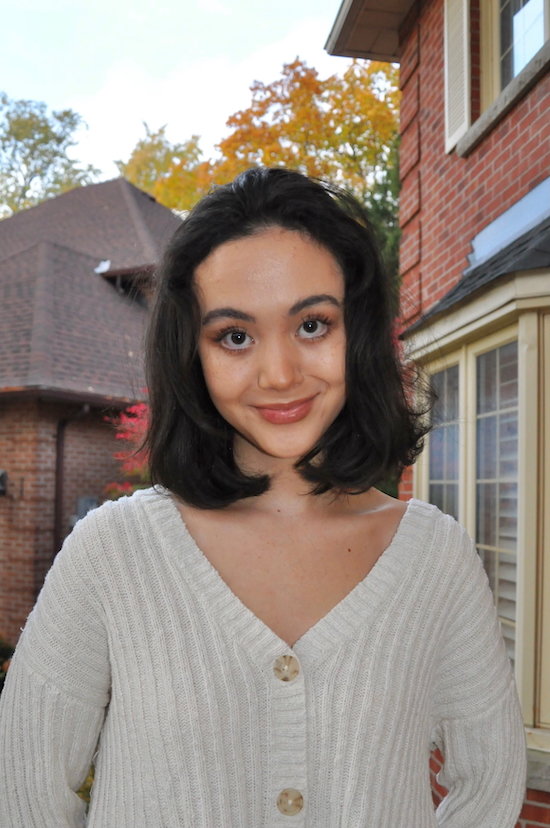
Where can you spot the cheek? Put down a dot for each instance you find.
(329, 362)
(224, 381)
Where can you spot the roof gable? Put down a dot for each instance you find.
(109, 221)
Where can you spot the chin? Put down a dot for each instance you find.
(283, 448)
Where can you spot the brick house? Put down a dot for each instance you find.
(73, 301)
(475, 267)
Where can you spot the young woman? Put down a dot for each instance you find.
(264, 639)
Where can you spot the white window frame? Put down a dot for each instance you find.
(542, 701)
(489, 44)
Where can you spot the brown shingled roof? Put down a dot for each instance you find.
(112, 220)
(65, 329)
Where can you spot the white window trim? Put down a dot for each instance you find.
(504, 313)
(543, 699)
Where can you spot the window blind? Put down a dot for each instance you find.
(457, 71)
(497, 479)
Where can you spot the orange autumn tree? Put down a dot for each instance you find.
(343, 128)
(172, 173)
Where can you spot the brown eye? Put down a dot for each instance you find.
(313, 328)
(236, 340)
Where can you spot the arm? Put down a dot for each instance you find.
(477, 723)
(53, 704)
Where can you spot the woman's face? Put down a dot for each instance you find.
(272, 343)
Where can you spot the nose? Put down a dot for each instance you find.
(279, 366)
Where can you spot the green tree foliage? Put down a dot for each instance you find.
(173, 173)
(34, 164)
(382, 201)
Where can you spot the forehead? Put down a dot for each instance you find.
(271, 268)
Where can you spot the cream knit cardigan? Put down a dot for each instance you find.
(137, 641)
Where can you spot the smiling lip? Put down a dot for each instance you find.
(280, 413)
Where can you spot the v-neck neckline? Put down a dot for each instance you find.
(340, 623)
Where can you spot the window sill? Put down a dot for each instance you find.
(507, 99)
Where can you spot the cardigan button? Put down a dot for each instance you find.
(290, 802)
(286, 668)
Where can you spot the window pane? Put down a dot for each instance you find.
(451, 402)
(487, 382)
(528, 33)
(487, 448)
(490, 563)
(437, 495)
(508, 516)
(437, 384)
(508, 445)
(509, 375)
(521, 35)
(497, 469)
(450, 505)
(437, 455)
(444, 441)
(451, 453)
(486, 513)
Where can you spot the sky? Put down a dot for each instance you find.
(186, 64)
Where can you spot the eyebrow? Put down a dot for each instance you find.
(233, 313)
(317, 299)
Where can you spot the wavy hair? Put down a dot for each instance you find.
(379, 430)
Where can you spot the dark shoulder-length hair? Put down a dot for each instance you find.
(190, 445)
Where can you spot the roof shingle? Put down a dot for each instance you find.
(65, 328)
(529, 252)
(112, 220)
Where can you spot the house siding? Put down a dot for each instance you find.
(446, 200)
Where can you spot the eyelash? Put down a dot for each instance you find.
(324, 320)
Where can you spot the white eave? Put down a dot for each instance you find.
(368, 29)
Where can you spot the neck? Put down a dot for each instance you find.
(289, 494)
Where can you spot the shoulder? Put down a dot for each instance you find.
(117, 516)
(115, 531)
(441, 538)
(426, 520)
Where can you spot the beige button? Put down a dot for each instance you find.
(290, 802)
(286, 668)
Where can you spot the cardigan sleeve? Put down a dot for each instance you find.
(53, 703)
(477, 720)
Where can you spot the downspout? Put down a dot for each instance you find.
(59, 475)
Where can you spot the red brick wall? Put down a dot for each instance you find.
(447, 200)
(89, 463)
(28, 454)
(18, 448)
(406, 484)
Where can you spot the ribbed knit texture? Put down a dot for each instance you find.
(137, 641)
